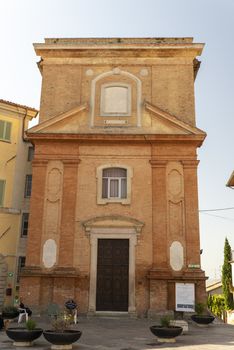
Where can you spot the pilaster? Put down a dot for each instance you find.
(159, 213)
(191, 212)
(39, 168)
(67, 230)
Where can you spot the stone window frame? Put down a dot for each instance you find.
(99, 171)
(24, 224)
(129, 102)
(28, 186)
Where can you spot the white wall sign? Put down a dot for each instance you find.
(185, 297)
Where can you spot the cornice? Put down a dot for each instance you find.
(156, 111)
(145, 138)
(118, 46)
(57, 118)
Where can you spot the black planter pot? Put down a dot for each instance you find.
(23, 335)
(203, 319)
(166, 333)
(10, 315)
(67, 337)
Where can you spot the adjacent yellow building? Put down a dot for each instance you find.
(15, 186)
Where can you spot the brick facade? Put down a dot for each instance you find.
(156, 143)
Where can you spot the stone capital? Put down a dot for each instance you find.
(39, 162)
(158, 163)
(70, 162)
(190, 163)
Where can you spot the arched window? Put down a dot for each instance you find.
(114, 183)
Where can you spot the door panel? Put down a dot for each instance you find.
(112, 275)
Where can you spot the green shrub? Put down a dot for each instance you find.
(165, 321)
(61, 323)
(216, 304)
(227, 276)
(200, 308)
(30, 325)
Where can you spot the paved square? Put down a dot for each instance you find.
(134, 334)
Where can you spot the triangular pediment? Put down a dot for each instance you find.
(166, 123)
(65, 122)
(154, 121)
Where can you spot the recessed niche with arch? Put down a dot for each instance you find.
(115, 99)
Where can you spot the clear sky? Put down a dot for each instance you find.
(24, 22)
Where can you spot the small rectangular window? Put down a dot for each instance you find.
(30, 153)
(5, 130)
(21, 264)
(24, 225)
(28, 186)
(2, 192)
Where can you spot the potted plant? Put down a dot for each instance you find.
(165, 332)
(60, 335)
(202, 317)
(9, 312)
(24, 336)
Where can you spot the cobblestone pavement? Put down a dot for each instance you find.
(134, 334)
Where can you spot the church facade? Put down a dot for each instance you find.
(114, 204)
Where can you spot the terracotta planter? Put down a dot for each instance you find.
(203, 319)
(66, 338)
(22, 336)
(166, 334)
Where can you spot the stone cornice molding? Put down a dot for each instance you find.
(37, 271)
(70, 162)
(184, 275)
(39, 162)
(53, 120)
(197, 140)
(156, 111)
(113, 46)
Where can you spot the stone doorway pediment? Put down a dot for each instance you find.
(113, 222)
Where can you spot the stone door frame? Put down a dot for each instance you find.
(112, 227)
(112, 233)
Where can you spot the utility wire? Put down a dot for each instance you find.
(218, 216)
(219, 209)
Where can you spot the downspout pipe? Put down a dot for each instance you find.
(23, 126)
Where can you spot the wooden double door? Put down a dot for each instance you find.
(112, 275)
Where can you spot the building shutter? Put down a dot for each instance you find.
(2, 191)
